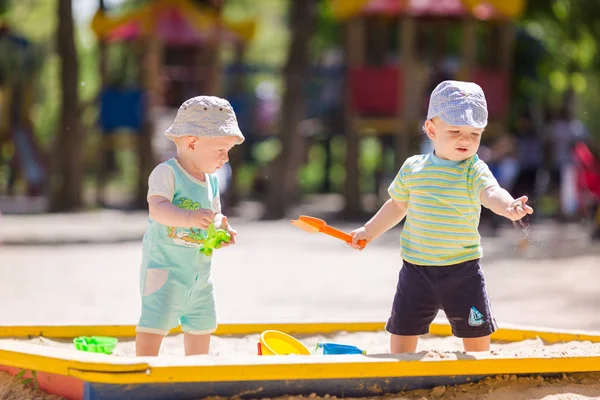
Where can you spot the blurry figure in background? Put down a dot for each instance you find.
(268, 104)
(587, 165)
(530, 157)
(565, 131)
(504, 166)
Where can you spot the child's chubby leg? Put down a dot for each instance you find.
(477, 344)
(196, 344)
(147, 344)
(466, 304)
(163, 297)
(414, 309)
(403, 344)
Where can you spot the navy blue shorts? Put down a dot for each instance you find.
(457, 289)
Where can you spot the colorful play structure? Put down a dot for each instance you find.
(18, 143)
(179, 44)
(286, 366)
(184, 39)
(391, 47)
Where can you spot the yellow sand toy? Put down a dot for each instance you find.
(275, 343)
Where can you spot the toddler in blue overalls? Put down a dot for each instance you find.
(183, 199)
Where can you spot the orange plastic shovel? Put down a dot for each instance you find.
(314, 225)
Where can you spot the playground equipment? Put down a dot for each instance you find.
(17, 86)
(178, 46)
(184, 40)
(315, 225)
(389, 72)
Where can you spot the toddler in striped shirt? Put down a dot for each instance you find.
(441, 194)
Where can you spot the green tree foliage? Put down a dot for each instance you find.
(37, 22)
(569, 30)
(4, 5)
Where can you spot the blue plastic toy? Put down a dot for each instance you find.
(335, 348)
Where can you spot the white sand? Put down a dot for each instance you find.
(573, 387)
(372, 342)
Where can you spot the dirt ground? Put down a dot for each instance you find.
(507, 387)
(12, 389)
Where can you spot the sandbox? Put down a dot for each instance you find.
(234, 369)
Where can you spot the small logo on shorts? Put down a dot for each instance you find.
(475, 317)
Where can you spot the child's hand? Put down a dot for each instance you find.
(359, 234)
(225, 225)
(518, 209)
(200, 218)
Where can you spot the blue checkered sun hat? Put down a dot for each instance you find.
(459, 104)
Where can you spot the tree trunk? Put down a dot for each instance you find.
(354, 47)
(67, 187)
(283, 180)
(146, 161)
(103, 154)
(102, 52)
(352, 195)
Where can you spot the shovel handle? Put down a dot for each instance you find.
(336, 233)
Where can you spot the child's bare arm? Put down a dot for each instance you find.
(166, 213)
(502, 203)
(388, 216)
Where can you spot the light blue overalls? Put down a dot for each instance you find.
(175, 279)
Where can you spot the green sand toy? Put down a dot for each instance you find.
(95, 344)
(214, 240)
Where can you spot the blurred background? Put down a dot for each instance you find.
(331, 96)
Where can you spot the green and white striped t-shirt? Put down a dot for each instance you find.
(443, 208)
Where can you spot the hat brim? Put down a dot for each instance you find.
(451, 117)
(177, 130)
